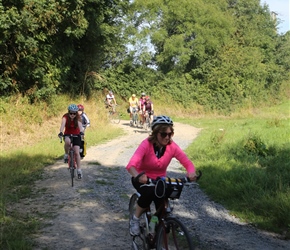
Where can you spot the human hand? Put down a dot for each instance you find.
(60, 134)
(192, 176)
(141, 177)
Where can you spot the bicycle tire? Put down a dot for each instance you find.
(172, 234)
(135, 119)
(71, 167)
(138, 242)
(147, 124)
(115, 117)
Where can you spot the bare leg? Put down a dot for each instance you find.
(139, 210)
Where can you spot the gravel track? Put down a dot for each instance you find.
(94, 213)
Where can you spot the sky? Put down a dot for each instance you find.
(282, 8)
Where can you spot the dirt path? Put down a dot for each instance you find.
(93, 214)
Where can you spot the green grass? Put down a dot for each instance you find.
(18, 170)
(244, 159)
(246, 165)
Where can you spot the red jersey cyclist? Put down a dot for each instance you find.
(141, 108)
(148, 108)
(71, 124)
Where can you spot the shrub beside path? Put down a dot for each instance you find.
(94, 213)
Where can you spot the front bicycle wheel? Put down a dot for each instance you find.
(139, 242)
(173, 235)
(147, 124)
(71, 167)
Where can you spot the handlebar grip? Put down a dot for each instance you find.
(136, 179)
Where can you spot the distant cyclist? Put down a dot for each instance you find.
(86, 123)
(85, 119)
(133, 102)
(148, 108)
(111, 101)
(71, 124)
(141, 108)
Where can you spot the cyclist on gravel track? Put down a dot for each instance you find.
(111, 101)
(153, 156)
(85, 119)
(148, 107)
(141, 108)
(133, 102)
(86, 123)
(71, 124)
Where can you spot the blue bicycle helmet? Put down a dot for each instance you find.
(73, 108)
(161, 119)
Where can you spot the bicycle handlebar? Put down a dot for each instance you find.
(71, 135)
(183, 180)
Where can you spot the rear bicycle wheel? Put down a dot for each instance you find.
(139, 242)
(173, 235)
(115, 117)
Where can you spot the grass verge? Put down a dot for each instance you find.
(246, 162)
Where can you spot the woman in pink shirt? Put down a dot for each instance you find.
(153, 157)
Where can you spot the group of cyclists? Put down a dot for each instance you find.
(151, 158)
(143, 106)
(74, 122)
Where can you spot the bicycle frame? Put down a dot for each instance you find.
(71, 155)
(135, 117)
(147, 124)
(170, 232)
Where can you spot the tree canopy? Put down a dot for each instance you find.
(219, 54)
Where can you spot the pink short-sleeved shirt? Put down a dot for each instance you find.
(144, 159)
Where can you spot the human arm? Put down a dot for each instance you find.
(81, 128)
(62, 126)
(137, 162)
(142, 179)
(180, 155)
(87, 120)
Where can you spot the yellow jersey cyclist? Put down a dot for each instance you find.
(133, 104)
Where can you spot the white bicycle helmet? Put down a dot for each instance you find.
(73, 108)
(161, 119)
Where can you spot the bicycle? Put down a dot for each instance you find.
(134, 118)
(72, 161)
(113, 115)
(147, 124)
(169, 233)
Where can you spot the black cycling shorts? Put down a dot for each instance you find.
(76, 140)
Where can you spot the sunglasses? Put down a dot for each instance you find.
(164, 134)
(73, 113)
